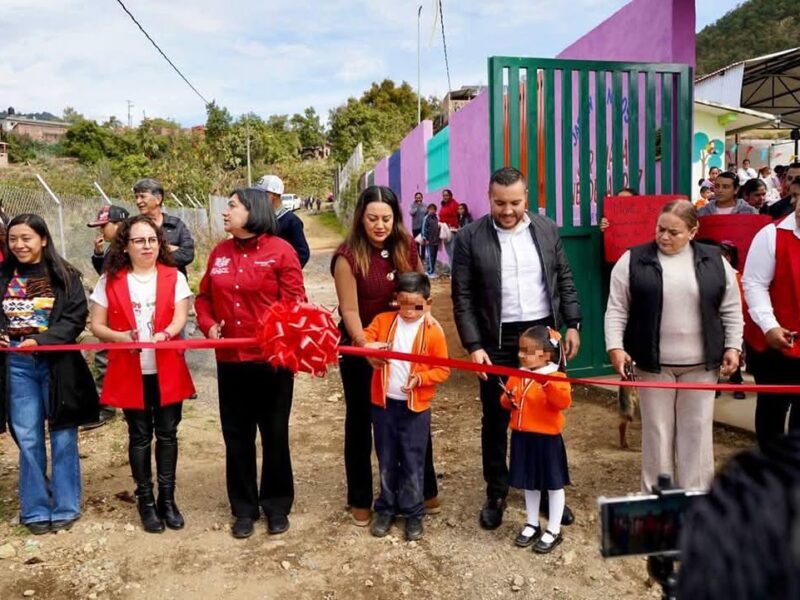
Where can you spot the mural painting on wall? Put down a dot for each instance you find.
(593, 179)
(707, 152)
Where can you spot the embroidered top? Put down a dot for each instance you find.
(28, 301)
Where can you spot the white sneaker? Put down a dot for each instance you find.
(432, 276)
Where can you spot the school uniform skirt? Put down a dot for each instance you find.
(538, 461)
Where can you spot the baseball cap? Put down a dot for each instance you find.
(109, 214)
(271, 184)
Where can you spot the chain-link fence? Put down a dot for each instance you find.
(76, 211)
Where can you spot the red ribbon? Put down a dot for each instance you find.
(464, 365)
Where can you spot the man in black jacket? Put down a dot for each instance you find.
(509, 273)
(290, 227)
(149, 195)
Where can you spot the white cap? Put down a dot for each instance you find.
(271, 184)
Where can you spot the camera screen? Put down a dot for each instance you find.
(643, 524)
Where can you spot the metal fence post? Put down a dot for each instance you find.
(102, 193)
(60, 214)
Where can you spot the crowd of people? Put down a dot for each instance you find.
(675, 313)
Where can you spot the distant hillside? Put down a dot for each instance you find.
(42, 116)
(754, 28)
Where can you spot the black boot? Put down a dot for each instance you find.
(147, 510)
(168, 510)
(166, 463)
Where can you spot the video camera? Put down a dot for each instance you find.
(648, 525)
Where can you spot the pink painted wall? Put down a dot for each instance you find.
(382, 172)
(469, 155)
(414, 166)
(641, 31)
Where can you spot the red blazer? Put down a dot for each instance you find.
(242, 279)
(123, 385)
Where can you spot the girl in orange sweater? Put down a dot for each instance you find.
(538, 455)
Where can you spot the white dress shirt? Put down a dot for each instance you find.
(759, 271)
(404, 335)
(524, 295)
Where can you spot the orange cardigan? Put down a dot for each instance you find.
(430, 341)
(537, 407)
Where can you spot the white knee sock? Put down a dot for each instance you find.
(558, 500)
(532, 499)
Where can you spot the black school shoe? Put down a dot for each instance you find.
(381, 524)
(414, 528)
(525, 541)
(242, 528)
(491, 516)
(277, 524)
(543, 547)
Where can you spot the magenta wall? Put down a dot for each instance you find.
(641, 31)
(469, 154)
(414, 165)
(382, 172)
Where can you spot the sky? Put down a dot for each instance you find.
(267, 56)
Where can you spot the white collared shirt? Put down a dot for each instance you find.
(524, 295)
(759, 271)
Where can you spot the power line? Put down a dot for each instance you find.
(444, 43)
(161, 52)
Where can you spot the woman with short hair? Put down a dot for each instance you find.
(245, 275)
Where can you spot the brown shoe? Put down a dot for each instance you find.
(433, 506)
(361, 516)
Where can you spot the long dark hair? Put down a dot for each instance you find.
(119, 260)
(58, 269)
(398, 241)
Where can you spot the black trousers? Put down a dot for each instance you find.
(356, 379)
(142, 424)
(772, 367)
(494, 422)
(255, 395)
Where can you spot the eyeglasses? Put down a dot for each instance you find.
(141, 242)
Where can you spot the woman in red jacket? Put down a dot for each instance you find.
(142, 297)
(245, 275)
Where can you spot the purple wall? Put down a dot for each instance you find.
(382, 172)
(414, 165)
(469, 155)
(641, 31)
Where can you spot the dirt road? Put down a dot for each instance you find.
(323, 556)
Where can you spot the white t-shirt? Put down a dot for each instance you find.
(143, 299)
(399, 370)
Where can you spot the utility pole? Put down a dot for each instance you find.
(130, 121)
(419, 84)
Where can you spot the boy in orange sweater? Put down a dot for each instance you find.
(401, 396)
(538, 457)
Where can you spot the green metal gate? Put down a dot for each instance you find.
(632, 128)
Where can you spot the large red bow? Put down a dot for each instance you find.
(300, 337)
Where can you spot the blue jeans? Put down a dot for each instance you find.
(431, 253)
(40, 498)
(401, 443)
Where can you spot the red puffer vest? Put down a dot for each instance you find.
(784, 293)
(123, 385)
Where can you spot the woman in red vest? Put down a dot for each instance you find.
(245, 275)
(143, 297)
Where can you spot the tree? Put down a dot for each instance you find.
(218, 123)
(308, 128)
(71, 115)
(380, 119)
